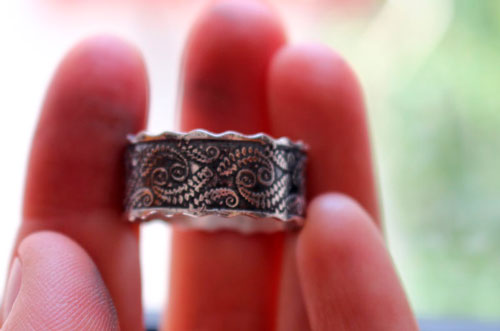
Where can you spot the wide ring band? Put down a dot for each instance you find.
(255, 182)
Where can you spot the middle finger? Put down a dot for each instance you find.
(226, 280)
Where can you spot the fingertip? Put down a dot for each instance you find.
(52, 258)
(320, 68)
(336, 225)
(226, 61)
(345, 271)
(248, 10)
(243, 23)
(311, 83)
(314, 96)
(38, 246)
(102, 69)
(61, 287)
(107, 45)
(98, 95)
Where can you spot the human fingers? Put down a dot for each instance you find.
(315, 97)
(55, 285)
(346, 273)
(226, 280)
(75, 176)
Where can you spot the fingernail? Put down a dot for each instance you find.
(12, 289)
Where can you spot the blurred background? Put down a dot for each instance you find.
(431, 75)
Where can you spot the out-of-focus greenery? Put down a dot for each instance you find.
(435, 119)
(445, 178)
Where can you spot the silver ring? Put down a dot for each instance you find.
(255, 182)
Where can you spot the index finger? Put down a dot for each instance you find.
(75, 175)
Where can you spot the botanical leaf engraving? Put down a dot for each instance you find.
(216, 175)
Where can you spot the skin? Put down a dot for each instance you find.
(75, 250)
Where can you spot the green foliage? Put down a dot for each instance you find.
(444, 169)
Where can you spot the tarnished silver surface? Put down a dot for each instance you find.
(213, 181)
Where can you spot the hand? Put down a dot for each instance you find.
(76, 263)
